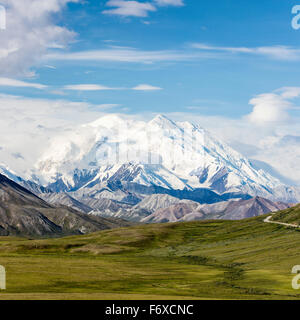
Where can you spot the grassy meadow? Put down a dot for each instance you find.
(246, 259)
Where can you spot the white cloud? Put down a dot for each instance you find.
(269, 108)
(129, 55)
(289, 92)
(282, 152)
(17, 83)
(275, 52)
(176, 3)
(30, 32)
(197, 52)
(97, 87)
(129, 8)
(146, 87)
(50, 67)
(87, 87)
(203, 46)
(272, 108)
(27, 125)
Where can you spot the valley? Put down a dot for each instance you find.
(246, 259)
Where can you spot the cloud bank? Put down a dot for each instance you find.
(137, 9)
(273, 108)
(7, 82)
(274, 52)
(129, 8)
(176, 3)
(30, 32)
(97, 87)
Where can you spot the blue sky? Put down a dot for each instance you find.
(231, 66)
(218, 85)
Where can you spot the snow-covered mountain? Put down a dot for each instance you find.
(7, 172)
(28, 184)
(172, 155)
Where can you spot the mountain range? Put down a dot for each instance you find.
(229, 210)
(153, 171)
(24, 214)
(114, 153)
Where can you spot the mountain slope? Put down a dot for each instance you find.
(141, 210)
(155, 202)
(291, 215)
(23, 213)
(250, 208)
(229, 210)
(173, 213)
(161, 153)
(65, 199)
(18, 213)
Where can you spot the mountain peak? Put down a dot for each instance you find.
(108, 121)
(163, 121)
(161, 116)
